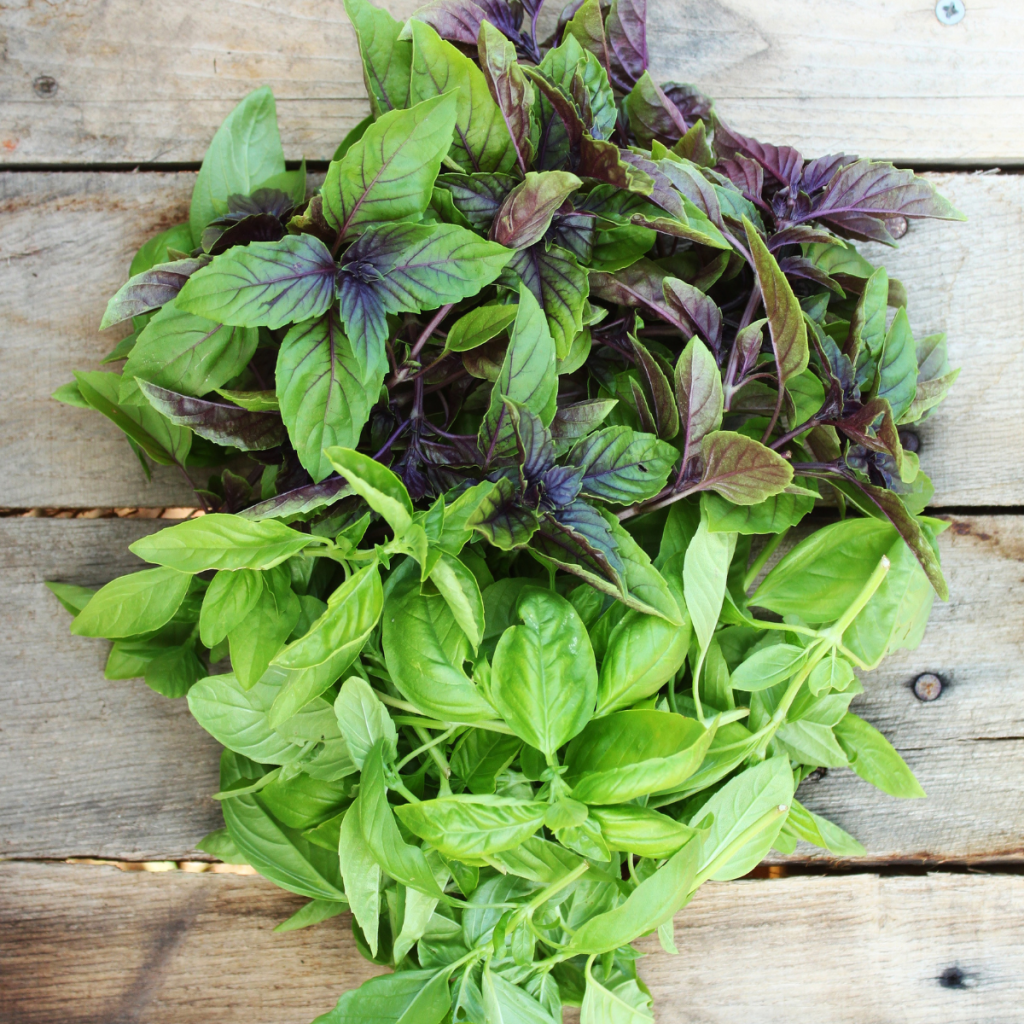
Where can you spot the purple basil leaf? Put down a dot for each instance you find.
(657, 391)
(818, 172)
(573, 422)
(150, 290)
(799, 266)
(639, 285)
(642, 407)
(652, 115)
(880, 190)
(525, 215)
(300, 500)
(800, 233)
(510, 90)
(362, 312)
(535, 451)
(562, 102)
(578, 538)
(477, 196)
(689, 101)
(459, 20)
(699, 309)
(223, 424)
(575, 232)
(559, 486)
(502, 519)
(273, 201)
(661, 193)
(747, 175)
(626, 31)
(260, 227)
(783, 163)
(623, 465)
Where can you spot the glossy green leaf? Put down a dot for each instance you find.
(363, 720)
(623, 1002)
(705, 574)
(376, 485)
(478, 326)
(641, 831)
(473, 826)
(387, 60)
(768, 666)
(262, 633)
(897, 367)
(481, 755)
(622, 465)
(875, 759)
(222, 542)
(361, 874)
(544, 679)
(458, 586)
(631, 753)
(132, 604)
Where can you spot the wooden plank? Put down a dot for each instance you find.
(82, 944)
(108, 769)
(53, 291)
(123, 83)
(112, 770)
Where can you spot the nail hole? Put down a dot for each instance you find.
(45, 86)
(952, 977)
(897, 226)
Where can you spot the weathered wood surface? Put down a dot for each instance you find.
(122, 82)
(110, 769)
(66, 241)
(87, 944)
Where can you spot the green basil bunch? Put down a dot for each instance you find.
(501, 452)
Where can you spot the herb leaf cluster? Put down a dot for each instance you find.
(505, 423)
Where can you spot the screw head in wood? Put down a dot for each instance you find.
(927, 687)
(950, 12)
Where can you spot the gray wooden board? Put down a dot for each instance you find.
(110, 769)
(140, 83)
(85, 944)
(66, 241)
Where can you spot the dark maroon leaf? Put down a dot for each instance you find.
(747, 175)
(535, 451)
(872, 426)
(639, 285)
(875, 190)
(642, 408)
(697, 308)
(216, 421)
(783, 163)
(658, 392)
(818, 172)
(661, 191)
(560, 486)
(799, 266)
(693, 105)
(260, 227)
(300, 500)
(574, 231)
(604, 161)
(273, 201)
(800, 233)
(460, 20)
(626, 32)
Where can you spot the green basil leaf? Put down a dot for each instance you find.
(811, 743)
(480, 756)
(699, 394)
(238, 717)
(387, 60)
(768, 666)
(361, 874)
(408, 997)
(222, 542)
(705, 575)
(381, 489)
(737, 807)
(424, 649)
(897, 367)
(544, 679)
(137, 603)
(536, 860)
(314, 912)
(458, 586)
(404, 863)
(473, 826)
(621, 1003)
(875, 759)
(641, 831)
(631, 753)
(363, 720)
(653, 901)
(230, 597)
(72, 598)
(478, 326)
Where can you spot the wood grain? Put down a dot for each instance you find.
(66, 241)
(111, 769)
(122, 82)
(83, 944)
